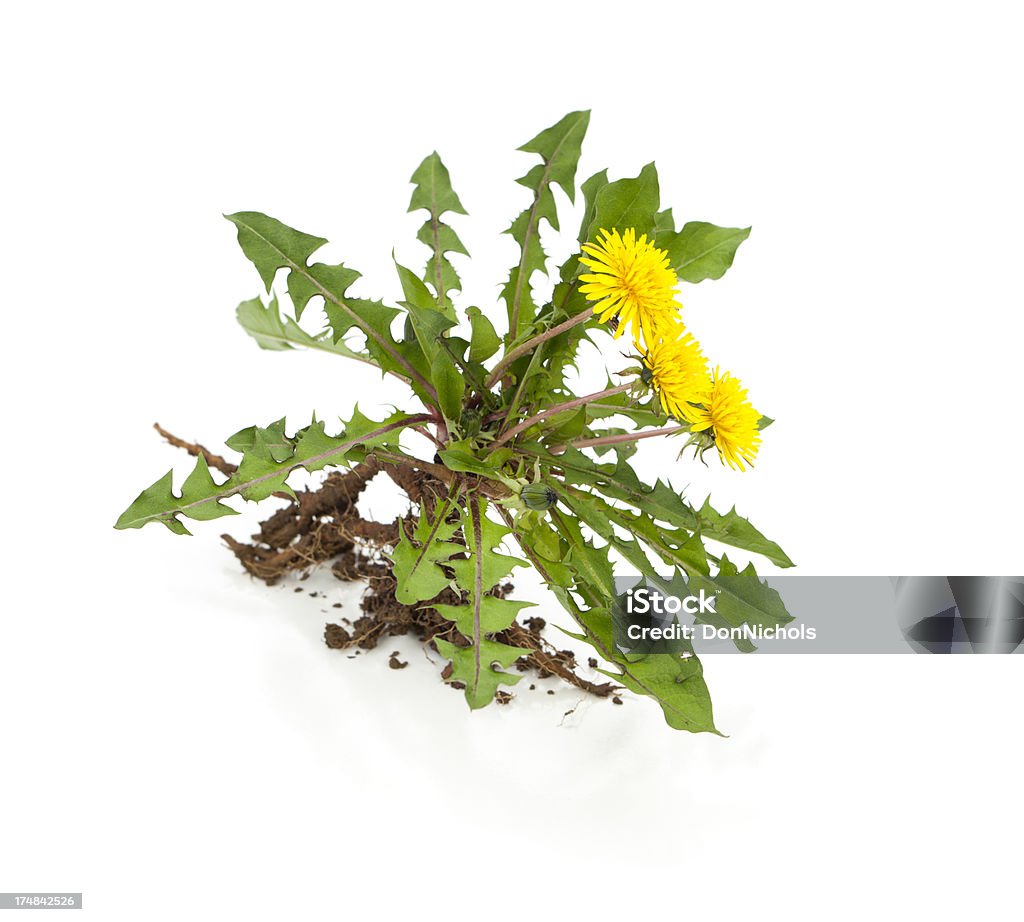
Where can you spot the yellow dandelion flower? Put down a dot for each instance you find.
(679, 373)
(727, 413)
(633, 279)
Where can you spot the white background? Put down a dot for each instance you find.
(176, 740)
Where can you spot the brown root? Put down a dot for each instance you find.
(194, 449)
(323, 525)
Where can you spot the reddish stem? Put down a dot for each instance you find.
(559, 408)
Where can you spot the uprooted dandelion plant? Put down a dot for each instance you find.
(496, 445)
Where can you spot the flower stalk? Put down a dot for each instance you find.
(624, 437)
(558, 408)
(499, 370)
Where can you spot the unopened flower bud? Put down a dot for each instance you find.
(538, 497)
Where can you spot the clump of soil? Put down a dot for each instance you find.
(323, 526)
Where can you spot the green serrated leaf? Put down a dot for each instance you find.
(274, 331)
(474, 667)
(417, 570)
(495, 614)
(201, 483)
(433, 190)
(269, 456)
(485, 567)
(678, 685)
(559, 148)
(270, 440)
(434, 194)
(483, 614)
(266, 325)
(736, 531)
(702, 251)
(158, 503)
(329, 282)
(272, 246)
(742, 597)
(627, 203)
